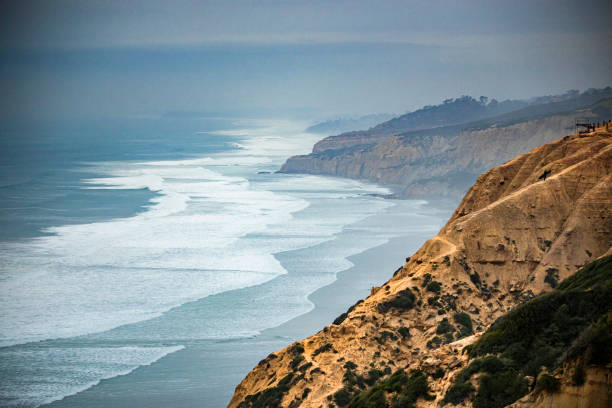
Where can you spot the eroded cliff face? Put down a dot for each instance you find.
(433, 162)
(545, 213)
(596, 392)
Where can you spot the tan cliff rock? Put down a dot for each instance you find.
(596, 392)
(544, 212)
(436, 162)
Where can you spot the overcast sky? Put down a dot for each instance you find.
(324, 58)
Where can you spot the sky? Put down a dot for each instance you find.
(93, 58)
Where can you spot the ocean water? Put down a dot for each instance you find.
(130, 245)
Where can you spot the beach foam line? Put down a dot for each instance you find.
(104, 363)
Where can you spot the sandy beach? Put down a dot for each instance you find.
(205, 372)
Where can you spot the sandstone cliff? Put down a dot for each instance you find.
(444, 161)
(522, 227)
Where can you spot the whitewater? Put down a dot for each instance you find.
(88, 301)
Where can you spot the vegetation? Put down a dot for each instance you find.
(426, 279)
(434, 301)
(499, 385)
(547, 382)
(538, 332)
(465, 322)
(323, 349)
(297, 348)
(439, 373)
(578, 376)
(404, 332)
(458, 392)
(342, 397)
(434, 343)
(270, 397)
(444, 327)
(434, 286)
(384, 335)
(349, 365)
(572, 323)
(404, 300)
(405, 390)
(500, 389)
(344, 315)
(552, 277)
(475, 278)
(296, 361)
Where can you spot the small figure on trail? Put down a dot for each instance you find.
(544, 175)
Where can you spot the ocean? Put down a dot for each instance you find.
(154, 261)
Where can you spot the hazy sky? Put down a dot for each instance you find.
(130, 58)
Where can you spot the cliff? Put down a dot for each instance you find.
(445, 160)
(523, 227)
(450, 112)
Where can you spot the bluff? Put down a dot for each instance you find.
(427, 336)
(445, 160)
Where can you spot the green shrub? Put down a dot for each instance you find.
(444, 327)
(296, 361)
(404, 300)
(439, 373)
(500, 389)
(338, 320)
(572, 322)
(434, 343)
(596, 272)
(578, 376)
(404, 332)
(433, 301)
(373, 376)
(552, 277)
(475, 278)
(495, 368)
(349, 365)
(406, 388)
(547, 382)
(545, 327)
(323, 349)
(270, 397)
(434, 286)
(458, 392)
(342, 397)
(385, 334)
(598, 349)
(305, 367)
(297, 348)
(464, 320)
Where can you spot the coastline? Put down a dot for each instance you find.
(203, 369)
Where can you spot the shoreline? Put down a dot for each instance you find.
(207, 371)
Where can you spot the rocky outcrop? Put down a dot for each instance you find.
(546, 210)
(442, 161)
(596, 392)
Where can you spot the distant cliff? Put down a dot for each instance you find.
(522, 228)
(445, 160)
(450, 112)
(349, 124)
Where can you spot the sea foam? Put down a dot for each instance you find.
(213, 226)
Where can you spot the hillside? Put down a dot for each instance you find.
(523, 227)
(450, 112)
(348, 124)
(444, 161)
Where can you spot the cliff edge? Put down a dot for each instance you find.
(522, 227)
(444, 160)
